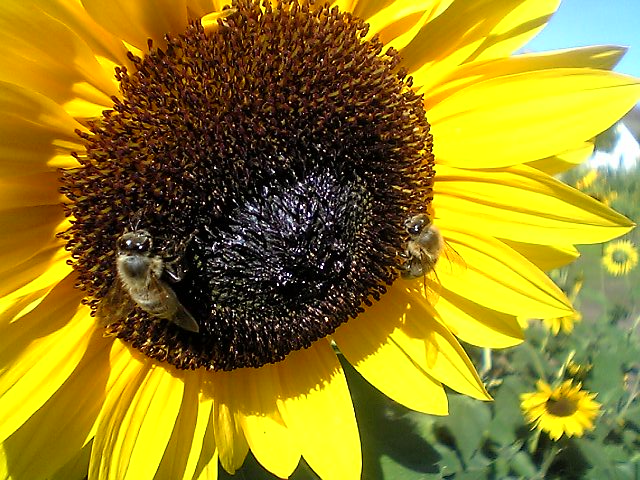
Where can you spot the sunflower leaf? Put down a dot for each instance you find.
(607, 375)
(468, 423)
(507, 417)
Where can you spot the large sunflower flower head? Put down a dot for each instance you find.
(563, 410)
(205, 201)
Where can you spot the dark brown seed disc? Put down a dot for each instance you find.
(274, 160)
(562, 407)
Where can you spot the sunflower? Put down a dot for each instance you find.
(620, 257)
(204, 202)
(565, 409)
(564, 324)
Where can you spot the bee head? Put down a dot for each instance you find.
(138, 241)
(414, 225)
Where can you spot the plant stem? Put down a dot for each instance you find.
(633, 393)
(549, 456)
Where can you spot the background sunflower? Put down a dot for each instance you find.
(562, 410)
(620, 257)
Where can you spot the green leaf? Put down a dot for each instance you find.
(607, 376)
(468, 423)
(602, 459)
(449, 460)
(472, 475)
(522, 465)
(632, 415)
(507, 417)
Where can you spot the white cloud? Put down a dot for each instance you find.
(625, 154)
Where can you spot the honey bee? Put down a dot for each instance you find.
(139, 283)
(423, 250)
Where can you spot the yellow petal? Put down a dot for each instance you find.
(199, 441)
(603, 57)
(31, 295)
(345, 5)
(125, 376)
(364, 9)
(431, 345)
(136, 21)
(500, 278)
(262, 424)
(564, 161)
(136, 424)
(181, 455)
(366, 344)
(316, 405)
(467, 30)
(399, 22)
(73, 15)
(231, 443)
(56, 432)
(76, 468)
(521, 24)
(82, 109)
(541, 113)
(474, 323)
(29, 190)
(45, 55)
(522, 204)
(42, 348)
(19, 303)
(36, 134)
(26, 233)
(39, 272)
(546, 257)
(200, 8)
(207, 466)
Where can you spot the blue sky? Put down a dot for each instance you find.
(592, 22)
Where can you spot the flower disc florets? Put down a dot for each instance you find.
(276, 157)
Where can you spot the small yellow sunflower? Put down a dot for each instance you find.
(566, 322)
(577, 371)
(562, 410)
(620, 257)
(562, 324)
(202, 200)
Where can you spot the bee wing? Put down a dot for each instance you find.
(185, 320)
(432, 287)
(177, 315)
(114, 306)
(450, 261)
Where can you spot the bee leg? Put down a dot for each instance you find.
(136, 218)
(175, 268)
(405, 264)
(406, 269)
